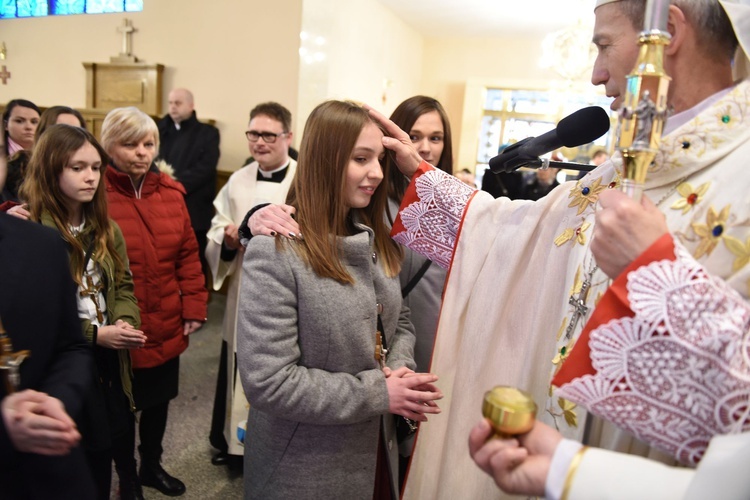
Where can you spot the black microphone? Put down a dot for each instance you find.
(583, 126)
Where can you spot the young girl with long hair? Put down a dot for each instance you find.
(316, 319)
(422, 282)
(64, 189)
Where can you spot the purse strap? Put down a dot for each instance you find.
(415, 279)
(87, 255)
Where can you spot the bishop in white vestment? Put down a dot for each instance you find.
(522, 281)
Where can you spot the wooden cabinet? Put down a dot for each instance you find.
(114, 85)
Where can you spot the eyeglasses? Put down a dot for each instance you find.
(268, 137)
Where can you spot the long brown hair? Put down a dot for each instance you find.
(49, 118)
(317, 192)
(405, 115)
(41, 190)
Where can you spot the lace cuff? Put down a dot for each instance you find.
(431, 213)
(678, 372)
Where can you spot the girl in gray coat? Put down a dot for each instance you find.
(325, 348)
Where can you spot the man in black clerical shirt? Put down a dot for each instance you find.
(192, 149)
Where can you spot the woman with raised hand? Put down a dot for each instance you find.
(325, 347)
(64, 189)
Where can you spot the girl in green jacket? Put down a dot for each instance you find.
(64, 189)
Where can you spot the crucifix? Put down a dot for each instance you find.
(4, 75)
(579, 305)
(10, 362)
(127, 32)
(92, 291)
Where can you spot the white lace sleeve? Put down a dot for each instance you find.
(431, 222)
(678, 372)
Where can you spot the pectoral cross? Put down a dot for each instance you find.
(10, 362)
(92, 291)
(579, 305)
(380, 350)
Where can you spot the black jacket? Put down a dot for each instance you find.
(193, 152)
(39, 312)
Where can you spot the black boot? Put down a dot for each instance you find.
(130, 489)
(130, 483)
(153, 475)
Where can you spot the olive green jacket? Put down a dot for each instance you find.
(120, 297)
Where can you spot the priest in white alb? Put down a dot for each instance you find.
(264, 180)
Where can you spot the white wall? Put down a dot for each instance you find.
(369, 52)
(232, 55)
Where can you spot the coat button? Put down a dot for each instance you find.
(380, 308)
(390, 444)
(374, 258)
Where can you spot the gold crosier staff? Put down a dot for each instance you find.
(645, 109)
(641, 122)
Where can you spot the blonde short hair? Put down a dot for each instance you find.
(129, 124)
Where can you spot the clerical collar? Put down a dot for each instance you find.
(177, 125)
(275, 175)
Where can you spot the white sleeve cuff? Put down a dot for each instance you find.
(558, 468)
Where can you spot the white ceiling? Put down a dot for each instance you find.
(490, 18)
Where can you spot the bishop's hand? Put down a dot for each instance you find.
(398, 141)
(624, 229)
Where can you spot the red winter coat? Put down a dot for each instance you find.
(163, 255)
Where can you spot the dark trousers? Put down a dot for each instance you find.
(100, 461)
(153, 424)
(30, 477)
(202, 237)
(216, 435)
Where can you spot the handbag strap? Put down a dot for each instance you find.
(87, 255)
(415, 279)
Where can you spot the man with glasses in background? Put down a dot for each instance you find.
(265, 179)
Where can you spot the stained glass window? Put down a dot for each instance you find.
(36, 8)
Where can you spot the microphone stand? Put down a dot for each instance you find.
(544, 164)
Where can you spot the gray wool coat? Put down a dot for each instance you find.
(305, 351)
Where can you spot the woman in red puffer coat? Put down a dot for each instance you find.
(149, 207)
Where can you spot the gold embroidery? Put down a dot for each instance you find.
(577, 283)
(565, 237)
(690, 197)
(573, 234)
(581, 200)
(562, 328)
(569, 411)
(711, 232)
(563, 353)
(740, 250)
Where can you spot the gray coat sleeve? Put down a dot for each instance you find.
(268, 349)
(401, 348)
